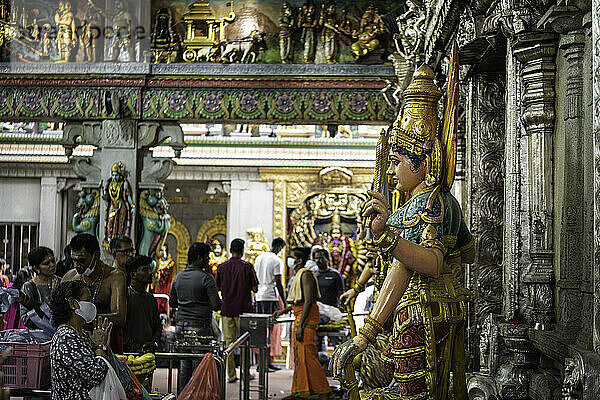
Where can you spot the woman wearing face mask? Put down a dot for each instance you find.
(74, 366)
(39, 287)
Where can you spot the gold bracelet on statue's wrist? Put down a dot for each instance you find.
(371, 329)
(388, 239)
(358, 287)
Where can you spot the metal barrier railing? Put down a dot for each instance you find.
(244, 339)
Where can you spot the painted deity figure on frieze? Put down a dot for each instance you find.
(85, 220)
(421, 307)
(120, 206)
(155, 219)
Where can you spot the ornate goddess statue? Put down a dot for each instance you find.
(155, 221)
(65, 22)
(257, 244)
(341, 248)
(85, 220)
(424, 243)
(286, 28)
(164, 276)
(120, 208)
(217, 256)
(307, 22)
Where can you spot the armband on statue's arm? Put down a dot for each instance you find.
(388, 239)
(371, 329)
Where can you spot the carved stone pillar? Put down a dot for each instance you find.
(485, 137)
(537, 54)
(571, 243)
(596, 133)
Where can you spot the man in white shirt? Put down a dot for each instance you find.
(269, 268)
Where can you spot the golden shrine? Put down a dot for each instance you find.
(203, 28)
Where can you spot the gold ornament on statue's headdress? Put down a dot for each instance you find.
(119, 167)
(417, 128)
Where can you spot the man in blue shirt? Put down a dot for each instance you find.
(331, 284)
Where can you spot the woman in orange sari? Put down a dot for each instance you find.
(309, 377)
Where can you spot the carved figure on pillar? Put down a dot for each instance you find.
(120, 206)
(307, 22)
(411, 33)
(155, 221)
(85, 220)
(65, 22)
(286, 29)
(256, 245)
(424, 243)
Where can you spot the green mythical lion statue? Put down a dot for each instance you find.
(155, 221)
(85, 220)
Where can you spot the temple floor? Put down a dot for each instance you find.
(280, 383)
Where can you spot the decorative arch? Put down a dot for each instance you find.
(217, 225)
(182, 236)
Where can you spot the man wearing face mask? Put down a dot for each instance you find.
(269, 268)
(107, 285)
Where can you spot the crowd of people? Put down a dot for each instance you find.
(96, 309)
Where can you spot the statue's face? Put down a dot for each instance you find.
(61, 5)
(336, 233)
(404, 174)
(162, 253)
(115, 176)
(218, 250)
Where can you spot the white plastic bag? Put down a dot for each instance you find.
(333, 313)
(110, 388)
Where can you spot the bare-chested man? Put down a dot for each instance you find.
(107, 285)
(121, 248)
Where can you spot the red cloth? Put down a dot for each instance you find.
(235, 279)
(12, 316)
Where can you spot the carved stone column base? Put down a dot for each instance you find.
(513, 376)
(539, 311)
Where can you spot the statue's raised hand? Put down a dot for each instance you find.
(347, 296)
(345, 353)
(377, 208)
